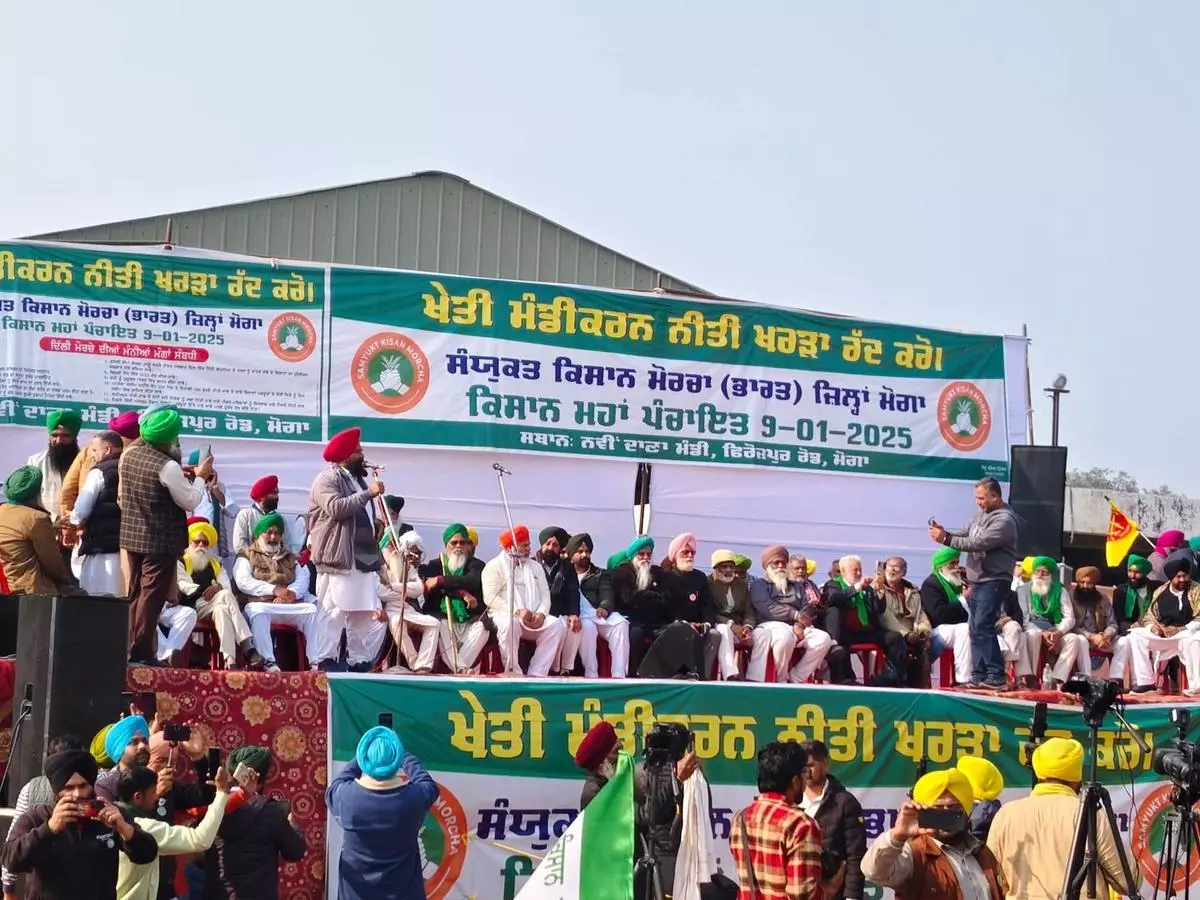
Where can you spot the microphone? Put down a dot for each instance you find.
(373, 467)
(499, 468)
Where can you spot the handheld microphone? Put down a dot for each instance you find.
(499, 468)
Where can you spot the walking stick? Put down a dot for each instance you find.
(392, 539)
(514, 646)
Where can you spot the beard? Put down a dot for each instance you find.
(271, 548)
(1040, 586)
(270, 504)
(61, 456)
(953, 576)
(642, 568)
(779, 579)
(456, 559)
(1138, 581)
(685, 565)
(724, 577)
(607, 769)
(358, 468)
(197, 558)
(1089, 596)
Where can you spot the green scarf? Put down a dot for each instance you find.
(952, 592)
(446, 570)
(1050, 606)
(858, 601)
(454, 608)
(1133, 603)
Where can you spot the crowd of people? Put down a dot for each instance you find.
(129, 516)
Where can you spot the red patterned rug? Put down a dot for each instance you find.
(283, 711)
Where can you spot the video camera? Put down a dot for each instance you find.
(1179, 760)
(1096, 695)
(666, 743)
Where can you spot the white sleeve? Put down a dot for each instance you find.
(243, 577)
(415, 589)
(542, 586)
(89, 493)
(241, 530)
(299, 587)
(187, 496)
(184, 580)
(495, 584)
(1067, 625)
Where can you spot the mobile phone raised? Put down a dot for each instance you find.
(948, 820)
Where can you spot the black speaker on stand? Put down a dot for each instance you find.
(1037, 493)
(72, 650)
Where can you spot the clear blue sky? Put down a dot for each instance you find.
(959, 164)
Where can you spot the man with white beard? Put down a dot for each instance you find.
(453, 595)
(597, 615)
(944, 605)
(204, 586)
(1049, 620)
(517, 598)
(269, 578)
(785, 614)
(402, 591)
(691, 599)
(736, 620)
(640, 597)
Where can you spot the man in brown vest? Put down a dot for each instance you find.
(924, 864)
(156, 498)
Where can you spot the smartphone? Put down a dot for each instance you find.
(94, 808)
(385, 719)
(214, 760)
(176, 734)
(948, 820)
(243, 774)
(145, 702)
(880, 565)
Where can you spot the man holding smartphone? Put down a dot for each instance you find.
(930, 850)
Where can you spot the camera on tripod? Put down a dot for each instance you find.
(666, 743)
(1095, 694)
(1179, 760)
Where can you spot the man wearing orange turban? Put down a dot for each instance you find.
(517, 597)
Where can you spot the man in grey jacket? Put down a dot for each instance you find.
(990, 543)
(346, 555)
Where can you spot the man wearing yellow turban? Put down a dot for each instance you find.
(918, 862)
(1049, 616)
(986, 784)
(1032, 837)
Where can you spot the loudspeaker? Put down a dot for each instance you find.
(1037, 493)
(10, 610)
(73, 651)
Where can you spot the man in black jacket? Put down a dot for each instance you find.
(853, 617)
(838, 812)
(597, 613)
(564, 594)
(454, 582)
(639, 588)
(70, 850)
(692, 599)
(941, 595)
(1130, 602)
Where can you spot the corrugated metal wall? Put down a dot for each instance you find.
(430, 221)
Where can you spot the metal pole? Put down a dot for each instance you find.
(1055, 395)
(514, 646)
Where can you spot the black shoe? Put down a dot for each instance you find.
(254, 660)
(1144, 689)
(361, 668)
(148, 663)
(836, 654)
(330, 665)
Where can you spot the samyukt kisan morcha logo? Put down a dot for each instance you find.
(292, 337)
(1147, 834)
(443, 844)
(390, 373)
(964, 416)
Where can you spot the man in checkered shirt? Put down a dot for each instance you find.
(777, 847)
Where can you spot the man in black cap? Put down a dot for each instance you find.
(597, 615)
(69, 850)
(564, 593)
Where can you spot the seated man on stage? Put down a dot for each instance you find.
(29, 549)
(1170, 629)
(1095, 622)
(784, 611)
(854, 618)
(204, 587)
(904, 615)
(454, 596)
(688, 591)
(264, 499)
(1130, 602)
(597, 614)
(735, 616)
(403, 593)
(517, 598)
(274, 587)
(946, 609)
(564, 594)
(1049, 622)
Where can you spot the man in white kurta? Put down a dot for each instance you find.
(96, 560)
(1170, 628)
(275, 586)
(204, 585)
(1049, 625)
(517, 597)
(401, 589)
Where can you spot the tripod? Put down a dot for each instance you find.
(1182, 833)
(647, 863)
(1084, 861)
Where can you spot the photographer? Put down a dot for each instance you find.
(1031, 838)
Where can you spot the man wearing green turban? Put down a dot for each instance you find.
(1130, 600)
(54, 463)
(454, 594)
(156, 498)
(942, 600)
(33, 561)
(1049, 618)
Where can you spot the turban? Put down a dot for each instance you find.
(722, 556)
(161, 427)
(194, 458)
(1027, 567)
(257, 758)
(270, 520)
(67, 418)
(616, 559)
(410, 540)
(96, 748)
(1167, 540)
(986, 780)
(553, 531)
(121, 732)
(380, 753)
(519, 535)
(1140, 563)
(943, 557)
(126, 425)
(637, 545)
(930, 787)
(596, 745)
(473, 537)
(685, 541)
(204, 530)
(1087, 571)
(810, 566)
(23, 484)
(268, 484)
(1194, 542)
(342, 445)
(455, 530)
(775, 551)
(61, 766)
(1059, 758)
(583, 539)
(1179, 561)
(1046, 562)
(393, 503)
(742, 562)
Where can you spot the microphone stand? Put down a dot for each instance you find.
(26, 712)
(514, 646)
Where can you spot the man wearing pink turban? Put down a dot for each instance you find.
(1168, 542)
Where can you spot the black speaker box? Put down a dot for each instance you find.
(10, 610)
(72, 650)
(1037, 493)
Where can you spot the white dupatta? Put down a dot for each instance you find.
(694, 864)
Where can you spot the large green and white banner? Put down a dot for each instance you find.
(256, 349)
(502, 751)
